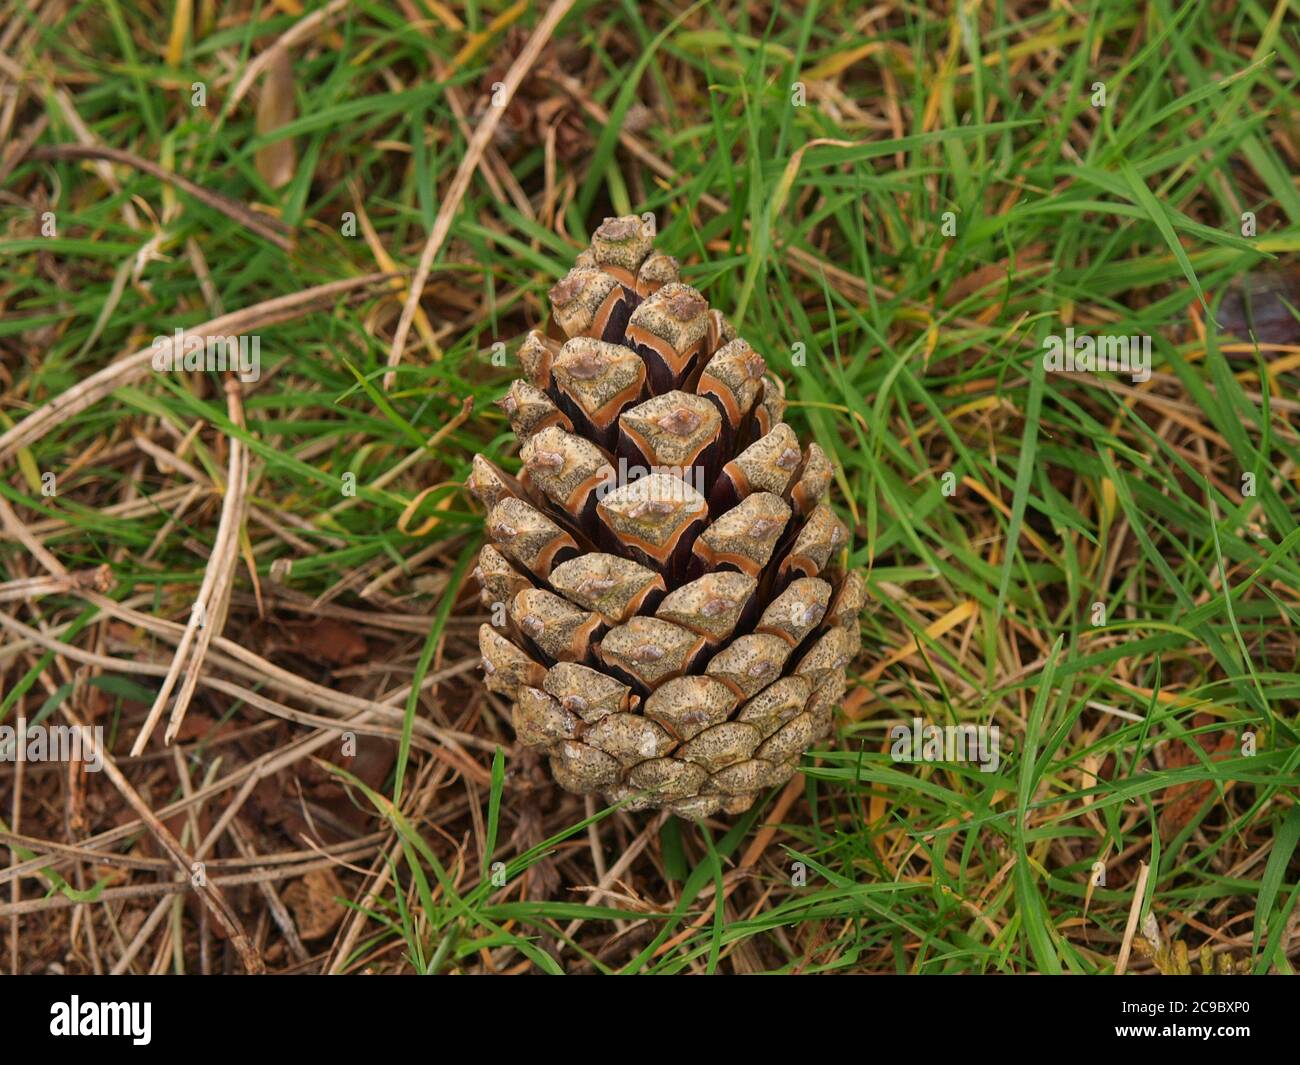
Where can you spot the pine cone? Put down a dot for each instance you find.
(539, 107)
(676, 627)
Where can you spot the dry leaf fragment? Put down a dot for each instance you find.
(1263, 303)
(325, 640)
(277, 161)
(1184, 800)
(314, 900)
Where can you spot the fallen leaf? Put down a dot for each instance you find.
(998, 273)
(327, 641)
(1182, 801)
(314, 901)
(1261, 303)
(277, 161)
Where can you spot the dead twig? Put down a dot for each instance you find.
(125, 371)
(209, 613)
(468, 164)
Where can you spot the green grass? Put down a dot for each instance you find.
(907, 354)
